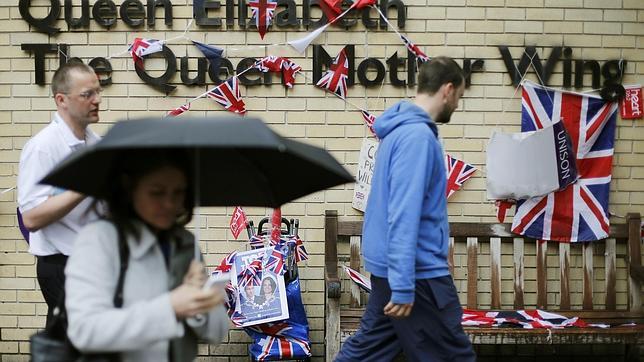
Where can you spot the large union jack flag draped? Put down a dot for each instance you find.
(457, 173)
(262, 15)
(141, 47)
(228, 95)
(335, 79)
(528, 319)
(279, 340)
(579, 212)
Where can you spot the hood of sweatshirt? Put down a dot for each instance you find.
(402, 113)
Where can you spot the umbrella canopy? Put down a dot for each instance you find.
(238, 161)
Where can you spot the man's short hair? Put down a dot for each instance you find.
(438, 71)
(60, 82)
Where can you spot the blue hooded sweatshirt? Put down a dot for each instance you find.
(405, 232)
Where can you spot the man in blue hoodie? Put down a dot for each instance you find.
(413, 306)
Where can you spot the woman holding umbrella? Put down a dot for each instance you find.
(149, 201)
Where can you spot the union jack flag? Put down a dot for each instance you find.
(528, 319)
(414, 49)
(300, 251)
(237, 318)
(228, 95)
(141, 47)
(335, 79)
(274, 63)
(251, 274)
(274, 260)
(262, 14)
(279, 343)
(369, 119)
(457, 173)
(580, 211)
(230, 301)
(270, 63)
(177, 111)
(226, 264)
(362, 281)
(289, 70)
(256, 241)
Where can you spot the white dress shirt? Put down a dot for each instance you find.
(39, 156)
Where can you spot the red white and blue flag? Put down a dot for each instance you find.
(300, 252)
(276, 64)
(528, 319)
(274, 260)
(369, 119)
(289, 70)
(141, 47)
(179, 110)
(280, 342)
(414, 49)
(226, 263)
(362, 281)
(335, 79)
(579, 212)
(256, 241)
(457, 173)
(228, 95)
(262, 14)
(238, 221)
(251, 274)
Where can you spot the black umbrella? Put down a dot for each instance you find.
(238, 161)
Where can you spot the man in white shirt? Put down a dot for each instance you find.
(53, 216)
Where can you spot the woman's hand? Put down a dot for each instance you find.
(196, 274)
(188, 300)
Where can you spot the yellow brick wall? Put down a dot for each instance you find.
(595, 29)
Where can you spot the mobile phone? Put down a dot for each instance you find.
(217, 280)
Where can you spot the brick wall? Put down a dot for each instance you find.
(594, 29)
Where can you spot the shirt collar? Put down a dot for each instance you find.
(69, 137)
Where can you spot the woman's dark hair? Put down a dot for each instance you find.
(438, 71)
(272, 282)
(125, 175)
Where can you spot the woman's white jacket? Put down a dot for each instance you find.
(146, 326)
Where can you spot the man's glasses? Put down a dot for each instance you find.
(90, 94)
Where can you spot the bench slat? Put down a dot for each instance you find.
(611, 271)
(495, 272)
(518, 273)
(472, 272)
(587, 252)
(634, 261)
(354, 263)
(542, 276)
(564, 275)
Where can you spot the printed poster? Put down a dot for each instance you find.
(262, 292)
(365, 172)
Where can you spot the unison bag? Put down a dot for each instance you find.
(529, 164)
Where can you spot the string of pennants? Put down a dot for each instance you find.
(334, 80)
(228, 93)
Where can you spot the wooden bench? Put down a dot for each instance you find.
(596, 281)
